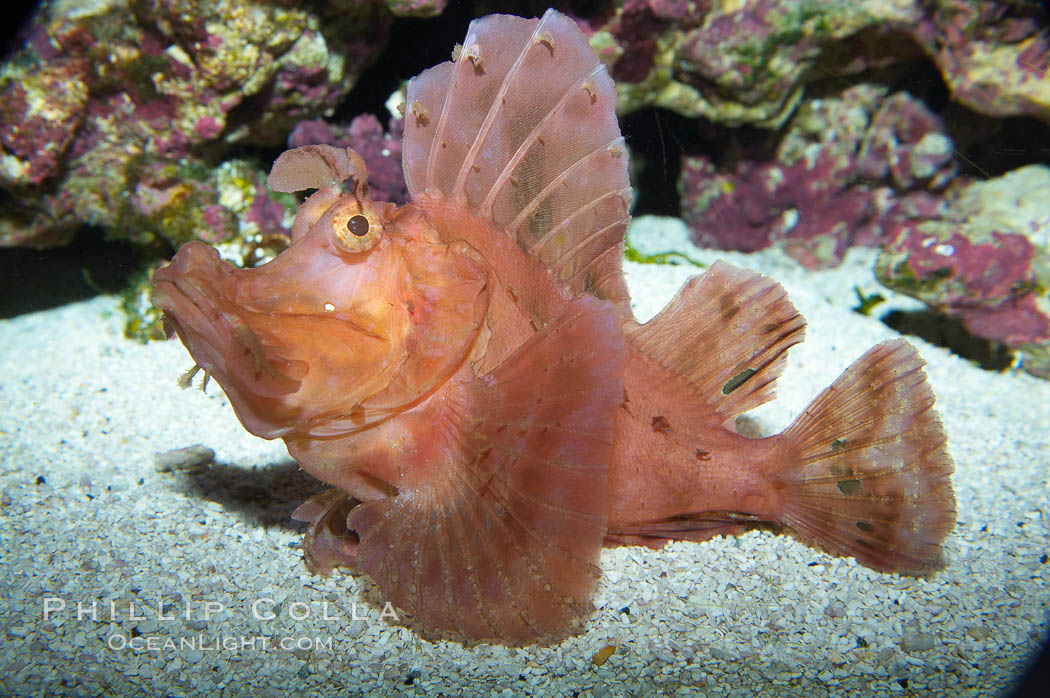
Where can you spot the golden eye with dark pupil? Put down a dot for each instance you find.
(358, 225)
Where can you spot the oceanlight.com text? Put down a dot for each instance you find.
(216, 643)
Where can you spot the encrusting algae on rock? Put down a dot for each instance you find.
(465, 370)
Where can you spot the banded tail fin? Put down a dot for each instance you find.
(500, 540)
(737, 326)
(521, 128)
(873, 474)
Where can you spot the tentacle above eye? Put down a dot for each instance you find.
(316, 167)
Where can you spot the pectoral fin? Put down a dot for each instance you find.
(501, 540)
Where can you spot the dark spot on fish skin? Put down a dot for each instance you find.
(848, 486)
(837, 444)
(738, 380)
(702, 454)
(357, 414)
(588, 281)
(865, 526)
(771, 327)
(661, 425)
(863, 543)
(728, 306)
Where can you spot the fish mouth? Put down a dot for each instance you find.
(194, 292)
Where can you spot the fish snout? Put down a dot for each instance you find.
(194, 276)
(198, 295)
(193, 260)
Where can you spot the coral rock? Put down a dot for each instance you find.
(994, 55)
(985, 260)
(743, 62)
(848, 170)
(103, 99)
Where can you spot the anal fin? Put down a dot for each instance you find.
(696, 527)
(501, 539)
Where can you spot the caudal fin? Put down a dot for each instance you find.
(873, 473)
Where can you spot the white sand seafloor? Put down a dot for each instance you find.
(87, 519)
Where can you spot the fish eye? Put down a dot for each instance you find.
(357, 225)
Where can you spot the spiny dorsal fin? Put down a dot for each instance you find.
(726, 333)
(522, 129)
(501, 540)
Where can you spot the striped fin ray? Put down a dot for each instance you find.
(521, 129)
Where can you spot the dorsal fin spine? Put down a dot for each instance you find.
(541, 244)
(609, 274)
(439, 128)
(560, 263)
(562, 177)
(571, 252)
(490, 118)
(530, 140)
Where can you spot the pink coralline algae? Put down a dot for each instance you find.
(38, 120)
(993, 55)
(380, 150)
(985, 260)
(121, 114)
(743, 62)
(848, 171)
(750, 61)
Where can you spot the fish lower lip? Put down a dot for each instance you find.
(191, 314)
(194, 294)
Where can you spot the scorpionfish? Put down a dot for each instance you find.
(466, 374)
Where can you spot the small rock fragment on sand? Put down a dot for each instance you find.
(191, 459)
